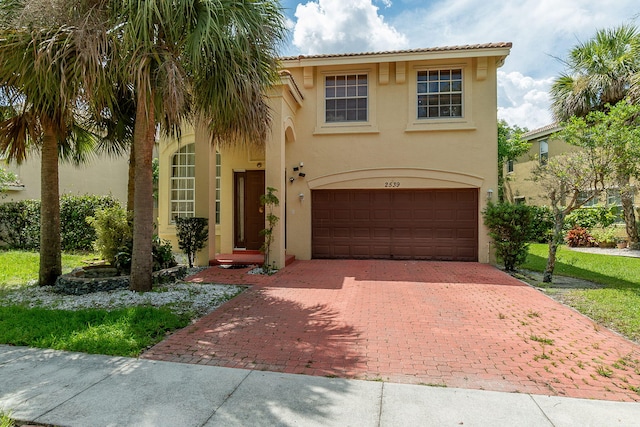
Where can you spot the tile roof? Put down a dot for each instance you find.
(497, 45)
(550, 128)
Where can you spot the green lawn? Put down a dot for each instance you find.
(616, 304)
(18, 268)
(122, 332)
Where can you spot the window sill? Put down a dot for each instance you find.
(350, 128)
(440, 125)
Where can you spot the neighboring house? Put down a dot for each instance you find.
(388, 155)
(519, 186)
(102, 175)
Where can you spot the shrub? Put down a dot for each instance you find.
(76, 232)
(20, 225)
(510, 228)
(161, 252)
(112, 231)
(579, 237)
(542, 224)
(20, 222)
(192, 235)
(605, 236)
(590, 217)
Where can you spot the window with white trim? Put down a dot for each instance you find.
(346, 98)
(183, 168)
(439, 93)
(544, 151)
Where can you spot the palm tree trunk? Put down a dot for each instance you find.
(626, 197)
(50, 244)
(132, 177)
(144, 139)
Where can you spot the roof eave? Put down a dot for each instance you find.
(498, 51)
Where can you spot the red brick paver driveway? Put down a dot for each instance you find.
(456, 324)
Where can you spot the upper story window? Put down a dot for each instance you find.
(440, 93)
(510, 166)
(346, 98)
(544, 152)
(183, 189)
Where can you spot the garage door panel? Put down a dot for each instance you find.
(395, 224)
(381, 214)
(361, 215)
(382, 233)
(361, 233)
(341, 232)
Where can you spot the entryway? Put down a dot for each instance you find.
(248, 212)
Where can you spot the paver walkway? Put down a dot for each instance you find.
(461, 325)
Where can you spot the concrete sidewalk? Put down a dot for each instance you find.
(73, 389)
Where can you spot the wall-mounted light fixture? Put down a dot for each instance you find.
(301, 196)
(302, 174)
(489, 194)
(291, 179)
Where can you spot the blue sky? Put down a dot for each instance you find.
(542, 33)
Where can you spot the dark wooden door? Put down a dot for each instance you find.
(249, 213)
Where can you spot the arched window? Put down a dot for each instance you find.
(183, 168)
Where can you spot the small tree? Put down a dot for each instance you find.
(510, 147)
(510, 227)
(192, 235)
(569, 181)
(615, 132)
(269, 200)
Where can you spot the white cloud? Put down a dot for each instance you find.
(337, 26)
(541, 30)
(523, 100)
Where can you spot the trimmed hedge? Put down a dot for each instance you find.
(20, 222)
(20, 225)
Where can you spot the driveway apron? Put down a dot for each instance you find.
(465, 325)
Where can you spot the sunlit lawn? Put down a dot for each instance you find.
(123, 332)
(19, 268)
(616, 304)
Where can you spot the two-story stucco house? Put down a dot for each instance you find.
(545, 144)
(388, 155)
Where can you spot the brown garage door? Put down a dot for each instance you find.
(398, 224)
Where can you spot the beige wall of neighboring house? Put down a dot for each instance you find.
(519, 184)
(385, 183)
(101, 176)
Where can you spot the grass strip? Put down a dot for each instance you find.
(124, 332)
(616, 303)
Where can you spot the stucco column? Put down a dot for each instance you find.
(275, 177)
(205, 191)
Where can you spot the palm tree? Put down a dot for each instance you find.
(192, 60)
(599, 72)
(602, 72)
(49, 65)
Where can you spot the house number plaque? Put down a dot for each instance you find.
(391, 184)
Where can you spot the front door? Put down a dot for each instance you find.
(249, 213)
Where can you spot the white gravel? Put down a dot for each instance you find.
(195, 299)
